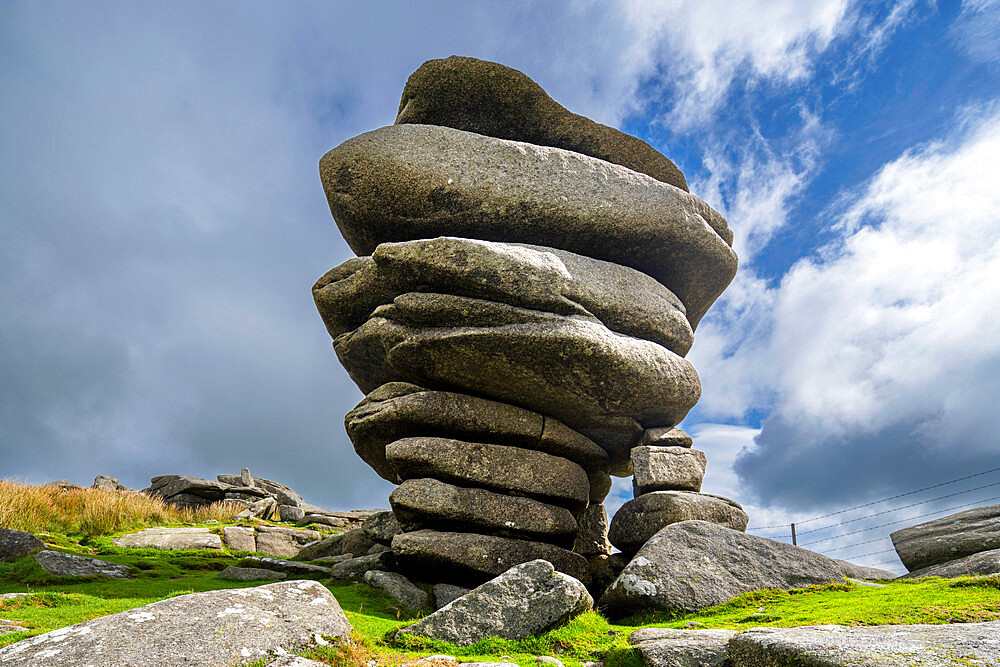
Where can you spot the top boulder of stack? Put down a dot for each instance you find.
(498, 101)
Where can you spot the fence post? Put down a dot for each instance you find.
(793, 534)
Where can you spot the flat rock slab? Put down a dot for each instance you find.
(984, 562)
(331, 545)
(239, 538)
(16, 544)
(877, 646)
(639, 519)
(431, 503)
(599, 383)
(695, 564)
(526, 600)
(550, 479)
(288, 566)
(664, 647)
(948, 538)
(468, 558)
(400, 410)
(490, 98)
(409, 182)
(71, 565)
(214, 628)
(171, 539)
(250, 574)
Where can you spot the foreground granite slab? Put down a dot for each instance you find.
(665, 647)
(888, 645)
(226, 627)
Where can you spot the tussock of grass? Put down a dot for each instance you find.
(91, 512)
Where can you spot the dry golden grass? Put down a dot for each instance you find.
(93, 512)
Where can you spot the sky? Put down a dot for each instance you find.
(162, 159)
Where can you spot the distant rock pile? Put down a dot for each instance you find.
(261, 498)
(966, 543)
(528, 284)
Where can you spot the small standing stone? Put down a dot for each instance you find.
(246, 479)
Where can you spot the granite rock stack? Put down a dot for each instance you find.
(527, 285)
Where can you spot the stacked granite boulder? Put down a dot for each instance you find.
(527, 286)
(667, 477)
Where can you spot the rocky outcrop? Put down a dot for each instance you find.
(982, 563)
(875, 646)
(518, 319)
(489, 98)
(696, 564)
(949, 538)
(16, 544)
(230, 627)
(526, 600)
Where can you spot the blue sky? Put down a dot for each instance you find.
(162, 222)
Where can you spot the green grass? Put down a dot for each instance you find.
(58, 602)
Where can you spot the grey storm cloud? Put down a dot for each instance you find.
(163, 221)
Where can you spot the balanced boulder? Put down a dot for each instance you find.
(639, 519)
(490, 98)
(408, 182)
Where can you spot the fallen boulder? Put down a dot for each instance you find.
(289, 566)
(948, 538)
(696, 564)
(872, 646)
(526, 600)
(16, 544)
(283, 542)
(214, 628)
(71, 565)
(399, 588)
(355, 568)
(328, 546)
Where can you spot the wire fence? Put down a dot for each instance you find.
(835, 531)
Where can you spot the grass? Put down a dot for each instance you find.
(84, 520)
(89, 512)
(58, 602)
